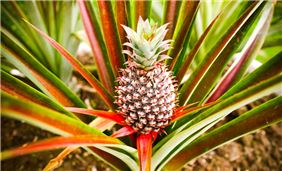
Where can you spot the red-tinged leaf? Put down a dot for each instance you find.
(238, 67)
(121, 19)
(123, 132)
(54, 122)
(104, 71)
(100, 113)
(99, 123)
(259, 117)
(228, 78)
(142, 9)
(60, 142)
(180, 71)
(104, 94)
(102, 124)
(17, 88)
(170, 16)
(50, 87)
(43, 117)
(211, 67)
(180, 109)
(269, 69)
(154, 135)
(177, 115)
(185, 29)
(110, 32)
(144, 146)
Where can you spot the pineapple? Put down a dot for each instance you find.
(146, 91)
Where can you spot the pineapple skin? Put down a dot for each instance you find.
(146, 98)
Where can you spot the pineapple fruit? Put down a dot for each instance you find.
(146, 91)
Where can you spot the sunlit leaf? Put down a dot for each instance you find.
(79, 67)
(144, 146)
(92, 31)
(17, 88)
(248, 53)
(43, 117)
(266, 71)
(177, 141)
(123, 132)
(211, 68)
(259, 117)
(171, 14)
(100, 113)
(59, 142)
(189, 14)
(180, 71)
(40, 76)
(111, 36)
(42, 15)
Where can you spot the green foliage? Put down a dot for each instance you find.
(216, 43)
(59, 19)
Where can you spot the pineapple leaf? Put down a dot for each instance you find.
(122, 18)
(123, 132)
(211, 67)
(178, 115)
(189, 14)
(262, 116)
(57, 123)
(59, 142)
(56, 162)
(19, 89)
(41, 14)
(37, 73)
(111, 36)
(98, 47)
(120, 159)
(249, 51)
(211, 116)
(180, 71)
(144, 146)
(80, 68)
(143, 10)
(269, 69)
(100, 113)
(43, 117)
(171, 14)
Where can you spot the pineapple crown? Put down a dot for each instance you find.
(147, 44)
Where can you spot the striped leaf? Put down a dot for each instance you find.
(59, 142)
(111, 36)
(257, 118)
(104, 94)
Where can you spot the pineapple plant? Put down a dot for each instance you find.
(170, 79)
(146, 91)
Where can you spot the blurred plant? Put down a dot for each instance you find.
(212, 50)
(59, 19)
